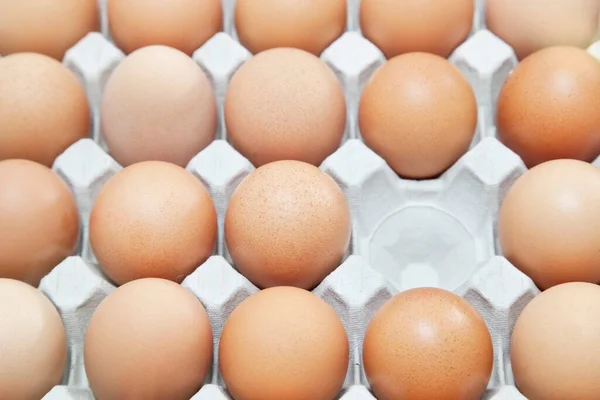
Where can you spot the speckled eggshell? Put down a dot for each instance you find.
(428, 344)
(48, 27)
(43, 108)
(419, 113)
(554, 348)
(287, 223)
(548, 107)
(549, 223)
(158, 105)
(33, 354)
(531, 25)
(311, 25)
(39, 222)
(149, 339)
(432, 26)
(182, 24)
(285, 104)
(284, 343)
(152, 219)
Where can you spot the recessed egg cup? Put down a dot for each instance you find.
(405, 233)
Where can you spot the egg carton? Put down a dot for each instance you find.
(468, 196)
(405, 234)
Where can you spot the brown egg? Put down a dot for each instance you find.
(284, 343)
(548, 107)
(48, 27)
(428, 344)
(33, 354)
(531, 25)
(431, 26)
(43, 108)
(39, 223)
(152, 219)
(549, 224)
(554, 349)
(287, 224)
(310, 25)
(149, 339)
(285, 104)
(419, 113)
(158, 105)
(182, 24)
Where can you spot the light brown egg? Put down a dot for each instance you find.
(149, 339)
(48, 27)
(531, 25)
(428, 344)
(158, 105)
(549, 224)
(419, 113)
(33, 354)
(431, 26)
(554, 349)
(287, 223)
(39, 223)
(548, 107)
(152, 219)
(310, 25)
(284, 343)
(181, 24)
(43, 108)
(285, 104)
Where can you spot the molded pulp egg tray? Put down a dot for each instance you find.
(406, 233)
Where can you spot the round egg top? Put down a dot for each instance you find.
(427, 344)
(404, 26)
(531, 25)
(548, 107)
(549, 223)
(43, 108)
(287, 223)
(33, 354)
(419, 113)
(158, 105)
(182, 24)
(47, 27)
(285, 104)
(150, 339)
(152, 219)
(284, 343)
(310, 25)
(554, 348)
